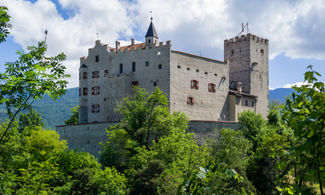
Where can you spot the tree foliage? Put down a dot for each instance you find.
(74, 119)
(4, 23)
(29, 78)
(305, 114)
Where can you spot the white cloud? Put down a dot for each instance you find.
(294, 28)
(72, 36)
(297, 84)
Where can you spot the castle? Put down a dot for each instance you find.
(204, 89)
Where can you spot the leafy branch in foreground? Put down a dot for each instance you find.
(29, 78)
(4, 23)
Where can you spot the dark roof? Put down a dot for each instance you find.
(237, 93)
(136, 46)
(151, 31)
(83, 66)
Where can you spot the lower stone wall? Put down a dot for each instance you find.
(209, 129)
(86, 137)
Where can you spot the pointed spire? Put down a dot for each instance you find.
(151, 30)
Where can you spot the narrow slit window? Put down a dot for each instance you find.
(97, 58)
(121, 68)
(133, 66)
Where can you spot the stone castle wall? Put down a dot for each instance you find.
(208, 105)
(86, 137)
(151, 69)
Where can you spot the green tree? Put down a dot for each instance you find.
(251, 124)
(74, 119)
(151, 146)
(232, 149)
(231, 152)
(4, 23)
(29, 78)
(305, 114)
(30, 119)
(146, 118)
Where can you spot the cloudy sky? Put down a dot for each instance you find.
(295, 29)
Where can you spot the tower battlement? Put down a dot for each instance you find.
(247, 37)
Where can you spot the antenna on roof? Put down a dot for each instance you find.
(97, 34)
(244, 29)
(45, 35)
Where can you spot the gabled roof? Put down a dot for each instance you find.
(136, 46)
(151, 31)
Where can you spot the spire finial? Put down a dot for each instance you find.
(151, 15)
(45, 34)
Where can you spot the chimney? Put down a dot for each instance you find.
(117, 43)
(132, 41)
(239, 87)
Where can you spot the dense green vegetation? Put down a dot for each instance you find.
(149, 151)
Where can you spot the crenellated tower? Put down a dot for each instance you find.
(249, 64)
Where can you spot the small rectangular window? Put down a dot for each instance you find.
(212, 87)
(95, 108)
(190, 100)
(95, 90)
(97, 58)
(84, 75)
(133, 66)
(105, 73)
(121, 68)
(253, 103)
(194, 84)
(155, 83)
(85, 91)
(95, 74)
(159, 66)
(246, 102)
(135, 83)
(147, 64)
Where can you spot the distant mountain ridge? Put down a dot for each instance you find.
(280, 94)
(56, 112)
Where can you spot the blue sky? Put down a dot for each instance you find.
(295, 29)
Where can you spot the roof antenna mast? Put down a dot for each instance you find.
(244, 29)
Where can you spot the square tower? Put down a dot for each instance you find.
(249, 64)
